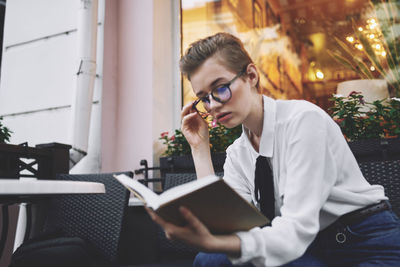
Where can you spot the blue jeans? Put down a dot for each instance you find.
(373, 242)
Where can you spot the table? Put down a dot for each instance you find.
(26, 189)
(135, 202)
(11, 189)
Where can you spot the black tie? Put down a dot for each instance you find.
(264, 187)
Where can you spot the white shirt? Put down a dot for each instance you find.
(316, 180)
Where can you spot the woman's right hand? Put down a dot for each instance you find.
(194, 128)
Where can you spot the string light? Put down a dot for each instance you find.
(350, 39)
(370, 31)
(319, 74)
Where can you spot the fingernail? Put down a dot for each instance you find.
(183, 209)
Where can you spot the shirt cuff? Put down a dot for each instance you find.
(247, 247)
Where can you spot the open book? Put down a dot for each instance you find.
(210, 199)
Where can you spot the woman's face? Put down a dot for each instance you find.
(212, 74)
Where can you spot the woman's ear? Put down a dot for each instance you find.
(252, 74)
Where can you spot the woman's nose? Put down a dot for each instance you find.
(214, 103)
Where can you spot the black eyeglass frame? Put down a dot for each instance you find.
(227, 85)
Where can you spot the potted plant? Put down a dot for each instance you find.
(371, 129)
(5, 133)
(8, 162)
(177, 156)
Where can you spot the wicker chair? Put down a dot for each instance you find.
(97, 218)
(373, 150)
(387, 174)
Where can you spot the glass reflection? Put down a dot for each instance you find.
(297, 44)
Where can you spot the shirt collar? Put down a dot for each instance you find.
(268, 131)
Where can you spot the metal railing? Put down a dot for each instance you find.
(43, 161)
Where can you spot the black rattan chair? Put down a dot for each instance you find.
(387, 174)
(97, 218)
(175, 179)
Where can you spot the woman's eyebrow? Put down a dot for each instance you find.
(199, 94)
(212, 84)
(216, 81)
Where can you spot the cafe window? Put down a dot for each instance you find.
(300, 47)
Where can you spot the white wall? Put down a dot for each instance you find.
(141, 83)
(39, 69)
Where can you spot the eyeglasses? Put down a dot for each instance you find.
(221, 94)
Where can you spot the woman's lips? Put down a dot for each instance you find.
(224, 117)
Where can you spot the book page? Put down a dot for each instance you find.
(186, 188)
(151, 199)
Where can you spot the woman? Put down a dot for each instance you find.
(323, 210)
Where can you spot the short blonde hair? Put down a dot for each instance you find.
(228, 47)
